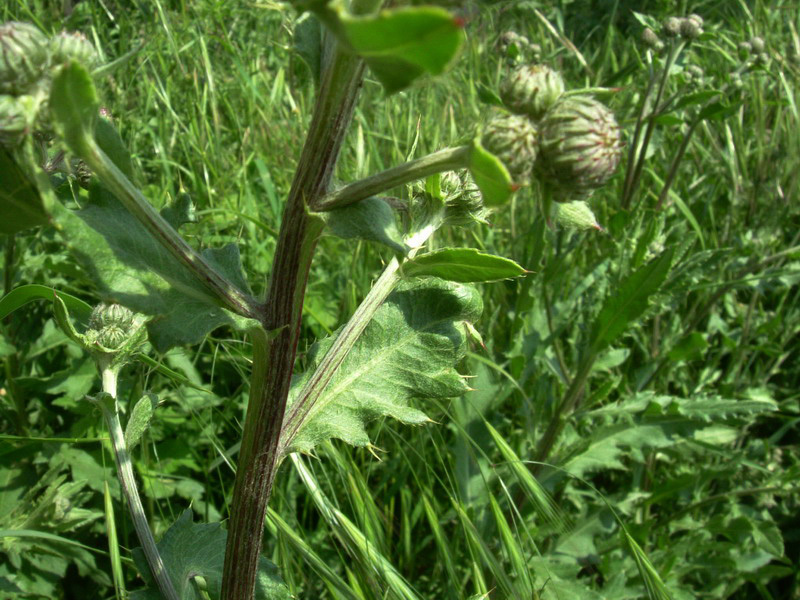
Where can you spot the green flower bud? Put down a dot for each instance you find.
(744, 49)
(463, 202)
(690, 29)
(672, 27)
(513, 139)
(24, 57)
(758, 44)
(17, 114)
(696, 18)
(74, 46)
(532, 90)
(575, 215)
(651, 40)
(580, 146)
(111, 325)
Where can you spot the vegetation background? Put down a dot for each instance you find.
(684, 440)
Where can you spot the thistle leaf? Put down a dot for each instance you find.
(408, 351)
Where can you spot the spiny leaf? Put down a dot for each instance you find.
(193, 550)
(465, 265)
(407, 351)
(140, 418)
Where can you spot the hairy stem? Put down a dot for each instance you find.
(130, 197)
(448, 159)
(130, 490)
(274, 355)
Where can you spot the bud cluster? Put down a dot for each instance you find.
(570, 142)
(517, 48)
(28, 59)
(689, 28)
(755, 48)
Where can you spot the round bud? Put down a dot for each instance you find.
(74, 46)
(531, 90)
(672, 26)
(111, 325)
(463, 201)
(24, 57)
(758, 44)
(580, 146)
(512, 139)
(690, 29)
(744, 49)
(650, 39)
(696, 18)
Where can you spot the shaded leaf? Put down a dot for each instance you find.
(465, 265)
(307, 42)
(194, 550)
(21, 204)
(19, 297)
(130, 268)
(74, 106)
(407, 351)
(371, 219)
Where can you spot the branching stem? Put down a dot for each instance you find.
(449, 159)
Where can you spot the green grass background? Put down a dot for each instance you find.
(213, 102)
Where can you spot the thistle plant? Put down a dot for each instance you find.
(404, 340)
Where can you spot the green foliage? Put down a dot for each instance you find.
(465, 265)
(371, 219)
(406, 352)
(194, 552)
(20, 201)
(491, 176)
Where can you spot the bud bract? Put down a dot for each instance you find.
(576, 215)
(463, 203)
(580, 147)
(24, 57)
(650, 39)
(531, 90)
(513, 139)
(17, 115)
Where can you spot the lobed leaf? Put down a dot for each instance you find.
(408, 351)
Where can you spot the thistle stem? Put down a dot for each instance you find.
(130, 490)
(449, 159)
(274, 355)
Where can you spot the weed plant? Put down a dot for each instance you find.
(662, 463)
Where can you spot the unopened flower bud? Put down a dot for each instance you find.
(513, 139)
(580, 146)
(672, 26)
(17, 114)
(690, 29)
(744, 49)
(758, 44)
(576, 215)
(650, 39)
(696, 18)
(24, 57)
(111, 325)
(532, 90)
(74, 46)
